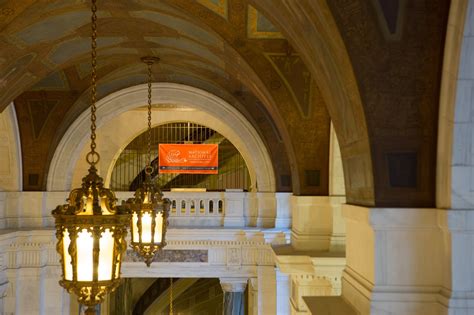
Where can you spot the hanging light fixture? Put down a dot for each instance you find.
(149, 210)
(90, 228)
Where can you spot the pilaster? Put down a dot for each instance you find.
(266, 290)
(457, 294)
(394, 260)
(283, 288)
(234, 209)
(266, 205)
(283, 210)
(317, 223)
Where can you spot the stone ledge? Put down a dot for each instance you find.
(329, 305)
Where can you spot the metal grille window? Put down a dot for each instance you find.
(128, 172)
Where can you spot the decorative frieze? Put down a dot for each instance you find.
(173, 255)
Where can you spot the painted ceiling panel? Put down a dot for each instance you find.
(258, 26)
(182, 26)
(55, 27)
(218, 6)
(188, 45)
(76, 47)
(56, 81)
(219, 71)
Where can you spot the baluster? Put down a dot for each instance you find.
(182, 206)
(221, 206)
(174, 210)
(211, 206)
(188, 207)
(205, 205)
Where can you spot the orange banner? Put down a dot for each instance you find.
(188, 158)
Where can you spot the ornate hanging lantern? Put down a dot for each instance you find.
(149, 210)
(90, 228)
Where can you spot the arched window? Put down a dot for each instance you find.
(129, 169)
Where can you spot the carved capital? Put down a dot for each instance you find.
(233, 284)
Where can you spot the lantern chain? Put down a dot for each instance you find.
(149, 112)
(93, 156)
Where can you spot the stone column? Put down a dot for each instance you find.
(394, 260)
(283, 292)
(283, 210)
(266, 204)
(458, 238)
(337, 191)
(234, 297)
(253, 296)
(338, 235)
(266, 290)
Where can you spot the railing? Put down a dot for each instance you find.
(231, 208)
(201, 209)
(191, 209)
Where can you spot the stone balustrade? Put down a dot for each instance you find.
(188, 209)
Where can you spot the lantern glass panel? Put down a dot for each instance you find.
(158, 228)
(85, 262)
(106, 255)
(66, 256)
(146, 227)
(134, 233)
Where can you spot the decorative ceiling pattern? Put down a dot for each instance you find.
(258, 26)
(227, 48)
(218, 6)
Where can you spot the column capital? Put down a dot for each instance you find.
(233, 284)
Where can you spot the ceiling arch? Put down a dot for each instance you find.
(69, 157)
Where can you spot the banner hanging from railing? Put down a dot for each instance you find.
(188, 158)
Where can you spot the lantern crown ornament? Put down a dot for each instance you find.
(91, 228)
(149, 210)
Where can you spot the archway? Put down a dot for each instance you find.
(11, 175)
(310, 27)
(456, 125)
(68, 158)
(455, 166)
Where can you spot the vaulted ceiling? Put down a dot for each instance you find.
(375, 66)
(225, 47)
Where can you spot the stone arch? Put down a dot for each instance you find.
(232, 125)
(455, 166)
(311, 29)
(11, 175)
(112, 142)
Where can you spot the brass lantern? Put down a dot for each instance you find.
(90, 228)
(149, 210)
(91, 234)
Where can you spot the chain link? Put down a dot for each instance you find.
(93, 82)
(171, 296)
(149, 112)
